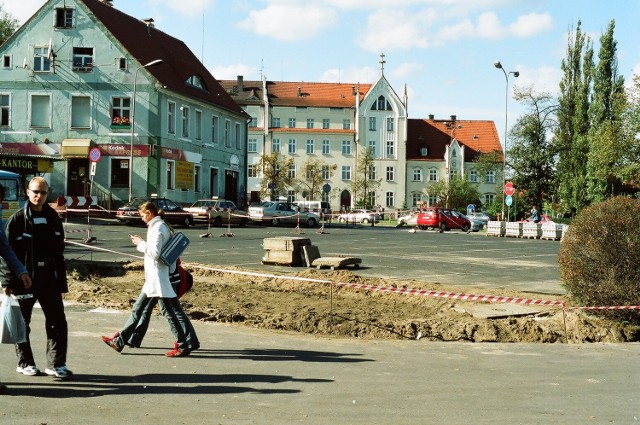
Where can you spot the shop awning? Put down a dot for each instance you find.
(76, 148)
(27, 157)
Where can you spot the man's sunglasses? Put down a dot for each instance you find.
(39, 192)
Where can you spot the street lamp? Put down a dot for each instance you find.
(133, 120)
(516, 74)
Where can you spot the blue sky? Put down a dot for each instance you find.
(443, 50)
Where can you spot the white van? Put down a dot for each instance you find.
(314, 206)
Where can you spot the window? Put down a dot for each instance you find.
(433, 175)
(372, 145)
(391, 174)
(196, 81)
(214, 130)
(253, 122)
(227, 135)
(119, 172)
(391, 149)
(433, 200)
(326, 147)
(238, 137)
(292, 123)
(382, 103)
(6, 61)
(64, 18)
(5, 110)
(454, 174)
(491, 176)
(252, 170)
(309, 122)
(80, 112)
(473, 176)
(371, 198)
(346, 147)
(291, 172)
(40, 111)
(120, 110)
(417, 174)
(325, 123)
(372, 123)
(275, 122)
(275, 145)
(196, 178)
(41, 61)
(198, 125)
(390, 199)
(326, 173)
(171, 118)
(83, 59)
(372, 172)
(346, 172)
(389, 124)
(346, 124)
(416, 198)
(252, 146)
(170, 175)
(122, 64)
(310, 146)
(185, 121)
(292, 146)
(489, 198)
(291, 195)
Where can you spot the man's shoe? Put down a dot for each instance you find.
(28, 370)
(176, 352)
(111, 343)
(59, 372)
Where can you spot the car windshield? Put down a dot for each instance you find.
(266, 204)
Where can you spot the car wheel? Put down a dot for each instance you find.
(443, 227)
(465, 228)
(341, 219)
(365, 220)
(275, 221)
(311, 222)
(423, 227)
(217, 222)
(186, 222)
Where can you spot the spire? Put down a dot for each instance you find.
(382, 62)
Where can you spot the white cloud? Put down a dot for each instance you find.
(23, 9)
(189, 8)
(231, 72)
(542, 79)
(531, 24)
(364, 75)
(489, 26)
(290, 22)
(397, 29)
(406, 69)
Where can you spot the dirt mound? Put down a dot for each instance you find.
(309, 306)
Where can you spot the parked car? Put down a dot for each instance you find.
(476, 224)
(316, 207)
(482, 216)
(443, 219)
(216, 211)
(359, 216)
(173, 213)
(279, 212)
(410, 218)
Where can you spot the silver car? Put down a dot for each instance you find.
(476, 224)
(359, 216)
(278, 212)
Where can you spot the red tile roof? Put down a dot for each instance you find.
(147, 44)
(478, 136)
(296, 94)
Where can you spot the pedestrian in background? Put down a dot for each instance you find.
(36, 236)
(156, 289)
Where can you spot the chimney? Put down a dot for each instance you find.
(299, 91)
(431, 117)
(453, 118)
(150, 24)
(240, 83)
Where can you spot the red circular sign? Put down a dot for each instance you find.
(509, 189)
(95, 154)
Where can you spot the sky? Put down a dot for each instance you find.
(442, 51)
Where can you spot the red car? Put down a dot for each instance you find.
(443, 219)
(543, 219)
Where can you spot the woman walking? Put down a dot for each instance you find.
(156, 289)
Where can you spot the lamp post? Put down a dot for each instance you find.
(516, 74)
(133, 120)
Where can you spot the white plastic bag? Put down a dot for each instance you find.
(12, 327)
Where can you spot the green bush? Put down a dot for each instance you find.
(600, 256)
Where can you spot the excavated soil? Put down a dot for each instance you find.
(323, 309)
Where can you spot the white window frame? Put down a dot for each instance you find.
(85, 109)
(326, 172)
(275, 122)
(310, 123)
(391, 174)
(292, 171)
(214, 129)
(48, 112)
(6, 61)
(390, 149)
(171, 117)
(346, 172)
(252, 145)
(227, 133)
(372, 124)
(326, 123)
(311, 146)
(433, 175)
(417, 175)
(238, 134)
(390, 199)
(473, 176)
(41, 62)
(346, 124)
(491, 176)
(346, 147)
(184, 119)
(170, 175)
(5, 110)
(373, 146)
(66, 19)
(292, 123)
(291, 146)
(276, 146)
(198, 123)
(326, 147)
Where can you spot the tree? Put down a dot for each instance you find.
(8, 25)
(532, 155)
(455, 194)
(570, 136)
(275, 174)
(606, 144)
(312, 177)
(366, 181)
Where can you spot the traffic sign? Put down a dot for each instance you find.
(95, 154)
(508, 200)
(326, 188)
(92, 169)
(509, 189)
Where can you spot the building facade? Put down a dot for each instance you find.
(80, 75)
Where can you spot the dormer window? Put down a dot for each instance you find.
(64, 18)
(196, 81)
(424, 151)
(453, 153)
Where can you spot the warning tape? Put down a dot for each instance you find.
(390, 289)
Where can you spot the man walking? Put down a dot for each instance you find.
(36, 235)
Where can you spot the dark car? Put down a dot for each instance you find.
(173, 213)
(443, 219)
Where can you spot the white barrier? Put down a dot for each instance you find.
(495, 228)
(513, 229)
(531, 230)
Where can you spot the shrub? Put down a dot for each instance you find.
(600, 256)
